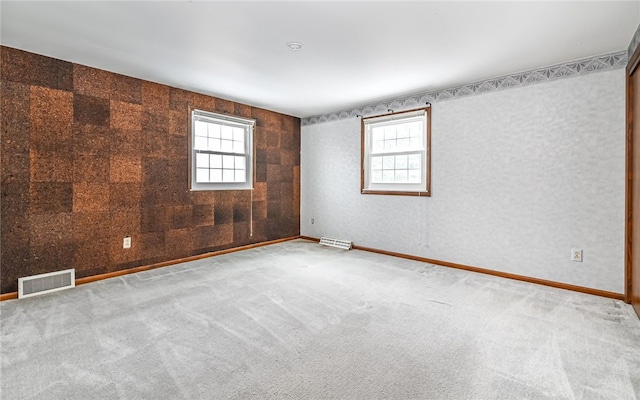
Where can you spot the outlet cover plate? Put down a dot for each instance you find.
(126, 243)
(576, 255)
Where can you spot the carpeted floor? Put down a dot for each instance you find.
(299, 321)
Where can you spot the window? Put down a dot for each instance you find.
(396, 153)
(221, 152)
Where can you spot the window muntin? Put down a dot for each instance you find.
(221, 152)
(396, 153)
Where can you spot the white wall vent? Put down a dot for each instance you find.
(341, 244)
(46, 283)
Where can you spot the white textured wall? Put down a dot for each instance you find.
(519, 177)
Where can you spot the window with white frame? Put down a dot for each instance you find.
(221, 152)
(396, 153)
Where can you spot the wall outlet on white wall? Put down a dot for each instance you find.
(576, 255)
(313, 221)
(126, 242)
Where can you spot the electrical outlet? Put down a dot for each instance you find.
(576, 255)
(126, 243)
(313, 221)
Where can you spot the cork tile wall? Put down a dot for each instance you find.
(89, 157)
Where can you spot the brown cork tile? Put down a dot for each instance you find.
(259, 210)
(273, 192)
(50, 197)
(202, 197)
(273, 138)
(90, 225)
(179, 99)
(52, 257)
(92, 254)
(286, 140)
(181, 216)
(241, 212)
(154, 219)
(91, 168)
(125, 169)
(261, 173)
(90, 139)
(92, 81)
(125, 223)
(155, 96)
(124, 196)
(260, 191)
(33, 69)
(88, 197)
(296, 191)
(203, 215)
(125, 88)
(153, 245)
(179, 242)
(287, 158)
(241, 233)
(204, 237)
(14, 125)
(154, 144)
(224, 106)
(125, 116)
(223, 234)
(91, 110)
(259, 231)
(260, 138)
(241, 110)
(179, 123)
(179, 172)
(50, 229)
(273, 209)
(223, 214)
(202, 102)
(179, 148)
(267, 119)
(51, 117)
(125, 143)
(274, 157)
(51, 166)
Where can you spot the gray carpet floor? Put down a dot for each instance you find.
(299, 321)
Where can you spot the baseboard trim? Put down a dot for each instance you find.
(558, 285)
(95, 278)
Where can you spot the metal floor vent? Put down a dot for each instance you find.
(46, 283)
(341, 244)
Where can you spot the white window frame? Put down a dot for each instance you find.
(421, 188)
(224, 120)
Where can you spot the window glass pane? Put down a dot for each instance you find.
(216, 175)
(415, 129)
(214, 144)
(387, 176)
(414, 176)
(238, 134)
(240, 163)
(403, 131)
(200, 128)
(401, 175)
(200, 143)
(241, 175)
(377, 176)
(401, 162)
(202, 160)
(214, 130)
(390, 145)
(388, 162)
(228, 162)
(376, 163)
(227, 132)
(377, 134)
(202, 175)
(228, 175)
(238, 147)
(389, 132)
(216, 161)
(226, 146)
(415, 161)
(403, 144)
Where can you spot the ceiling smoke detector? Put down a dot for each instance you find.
(294, 46)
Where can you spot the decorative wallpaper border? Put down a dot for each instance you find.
(634, 42)
(578, 67)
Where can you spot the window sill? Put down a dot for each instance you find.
(396, 193)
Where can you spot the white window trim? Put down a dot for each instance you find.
(411, 189)
(247, 124)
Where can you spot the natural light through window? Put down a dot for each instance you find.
(395, 153)
(221, 152)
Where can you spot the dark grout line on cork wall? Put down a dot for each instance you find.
(90, 156)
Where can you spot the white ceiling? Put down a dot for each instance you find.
(354, 52)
